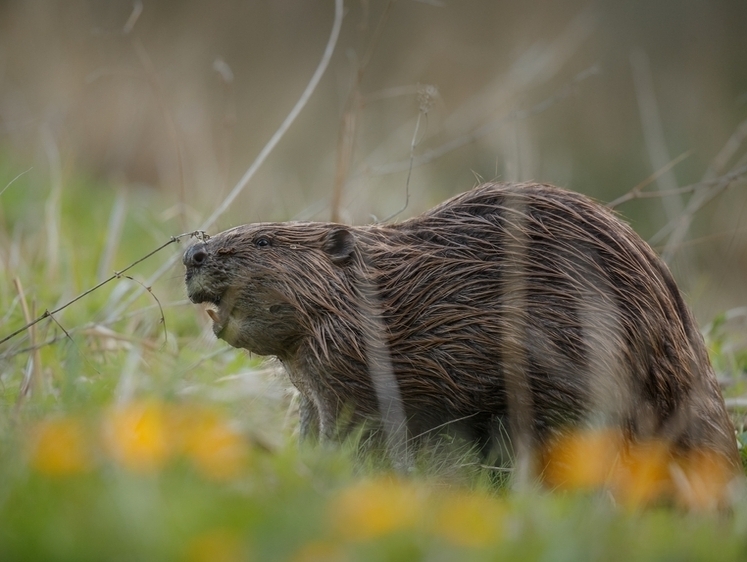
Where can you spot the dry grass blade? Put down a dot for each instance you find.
(113, 234)
(653, 131)
(32, 380)
(11, 182)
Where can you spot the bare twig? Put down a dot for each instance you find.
(116, 275)
(704, 192)
(90, 329)
(719, 184)
(389, 93)
(156, 85)
(677, 228)
(636, 192)
(426, 96)
(345, 150)
(158, 302)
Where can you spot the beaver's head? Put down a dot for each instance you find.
(265, 282)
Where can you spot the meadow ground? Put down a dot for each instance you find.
(128, 433)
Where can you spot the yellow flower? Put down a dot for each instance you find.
(470, 520)
(59, 447)
(216, 545)
(218, 452)
(136, 436)
(374, 508)
(643, 474)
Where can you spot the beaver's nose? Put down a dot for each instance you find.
(195, 255)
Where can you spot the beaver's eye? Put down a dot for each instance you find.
(262, 242)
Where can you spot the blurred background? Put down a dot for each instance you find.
(171, 101)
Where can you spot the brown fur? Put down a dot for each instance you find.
(524, 307)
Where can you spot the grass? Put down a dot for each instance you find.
(141, 441)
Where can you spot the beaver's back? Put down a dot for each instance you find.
(534, 298)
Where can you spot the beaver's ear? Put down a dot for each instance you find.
(339, 244)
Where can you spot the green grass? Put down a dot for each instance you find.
(141, 442)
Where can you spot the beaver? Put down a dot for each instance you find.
(511, 309)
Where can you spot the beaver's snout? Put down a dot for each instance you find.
(201, 287)
(195, 255)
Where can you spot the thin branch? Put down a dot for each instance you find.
(636, 193)
(678, 231)
(413, 144)
(375, 39)
(704, 196)
(158, 302)
(115, 275)
(720, 183)
(87, 329)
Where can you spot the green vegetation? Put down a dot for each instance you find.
(133, 439)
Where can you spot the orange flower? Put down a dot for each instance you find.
(374, 508)
(59, 447)
(470, 520)
(583, 459)
(136, 436)
(643, 475)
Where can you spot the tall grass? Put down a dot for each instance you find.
(154, 442)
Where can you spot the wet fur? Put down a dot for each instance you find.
(511, 306)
